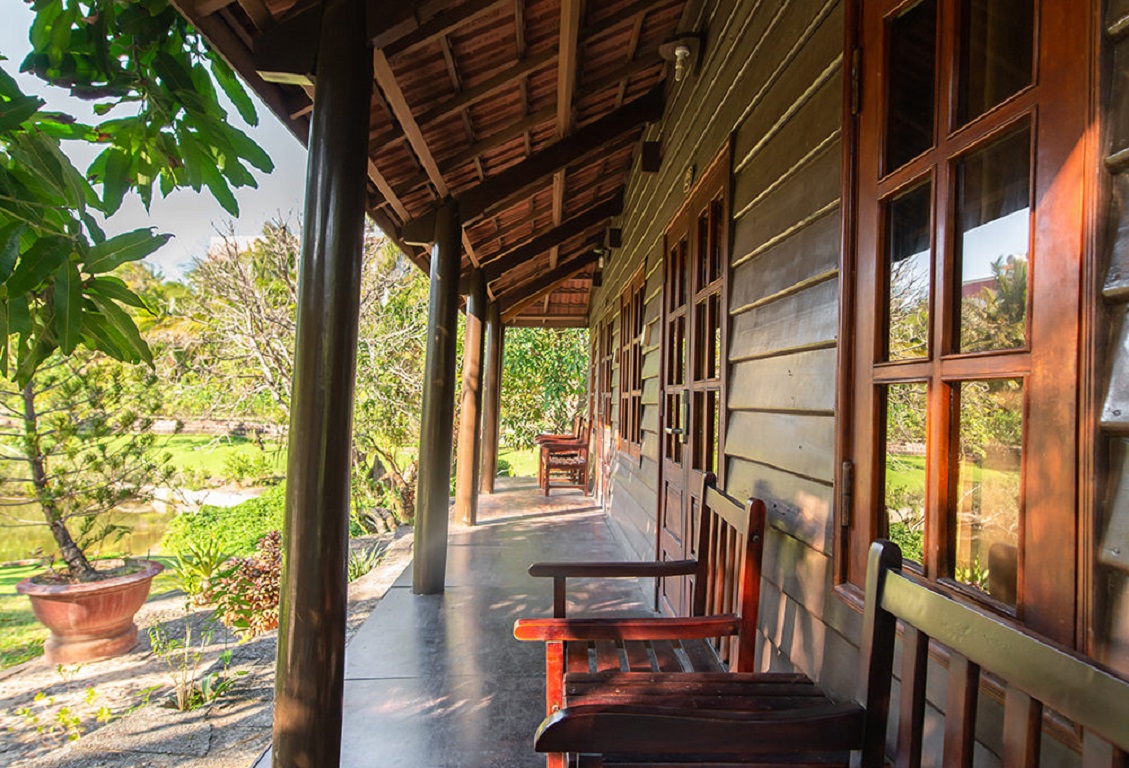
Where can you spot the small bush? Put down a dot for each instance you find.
(362, 562)
(256, 467)
(505, 469)
(196, 568)
(234, 530)
(247, 594)
(182, 655)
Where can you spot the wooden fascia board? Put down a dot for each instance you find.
(442, 23)
(504, 187)
(287, 53)
(535, 246)
(518, 297)
(488, 87)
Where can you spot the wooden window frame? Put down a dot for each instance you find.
(632, 324)
(1051, 538)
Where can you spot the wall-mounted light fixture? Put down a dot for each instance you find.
(685, 52)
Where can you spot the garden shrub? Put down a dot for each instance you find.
(234, 530)
(247, 594)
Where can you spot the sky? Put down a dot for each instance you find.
(192, 218)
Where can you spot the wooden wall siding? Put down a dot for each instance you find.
(775, 87)
(1113, 534)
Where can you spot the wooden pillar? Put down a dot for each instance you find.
(492, 396)
(470, 415)
(311, 640)
(434, 483)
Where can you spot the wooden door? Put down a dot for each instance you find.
(692, 383)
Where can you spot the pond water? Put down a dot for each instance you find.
(20, 541)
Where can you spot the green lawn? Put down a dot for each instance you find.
(21, 636)
(213, 456)
(522, 461)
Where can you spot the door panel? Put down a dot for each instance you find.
(693, 371)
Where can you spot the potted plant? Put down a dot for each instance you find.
(85, 448)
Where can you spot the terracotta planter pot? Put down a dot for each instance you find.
(92, 620)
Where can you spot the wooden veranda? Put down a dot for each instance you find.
(492, 140)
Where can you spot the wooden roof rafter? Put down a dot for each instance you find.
(522, 112)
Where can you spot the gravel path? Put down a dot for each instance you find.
(142, 733)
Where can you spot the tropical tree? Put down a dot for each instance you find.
(155, 81)
(82, 445)
(544, 382)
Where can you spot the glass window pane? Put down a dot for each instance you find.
(908, 269)
(909, 98)
(994, 221)
(985, 518)
(904, 482)
(997, 42)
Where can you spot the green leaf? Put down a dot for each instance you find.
(10, 249)
(97, 333)
(31, 356)
(234, 90)
(218, 187)
(13, 113)
(116, 181)
(120, 322)
(19, 315)
(68, 307)
(129, 246)
(173, 72)
(96, 233)
(37, 263)
(4, 339)
(9, 88)
(115, 288)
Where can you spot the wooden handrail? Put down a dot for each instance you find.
(557, 630)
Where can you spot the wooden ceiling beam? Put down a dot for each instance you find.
(517, 298)
(488, 87)
(442, 23)
(516, 180)
(571, 13)
(595, 216)
(398, 104)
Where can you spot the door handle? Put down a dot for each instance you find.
(672, 430)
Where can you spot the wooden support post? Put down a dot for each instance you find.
(311, 640)
(492, 396)
(434, 484)
(470, 415)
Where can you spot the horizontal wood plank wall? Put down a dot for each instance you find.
(771, 78)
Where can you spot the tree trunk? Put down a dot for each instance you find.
(77, 564)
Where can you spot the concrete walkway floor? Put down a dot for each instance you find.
(439, 681)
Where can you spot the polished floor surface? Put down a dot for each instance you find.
(439, 681)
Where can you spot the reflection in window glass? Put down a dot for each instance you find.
(993, 204)
(904, 483)
(985, 516)
(912, 39)
(997, 40)
(908, 274)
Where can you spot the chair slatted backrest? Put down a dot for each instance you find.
(1036, 672)
(730, 544)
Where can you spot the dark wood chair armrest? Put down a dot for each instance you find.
(563, 630)
(670, 730)
(559, 572)
(613, 569)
